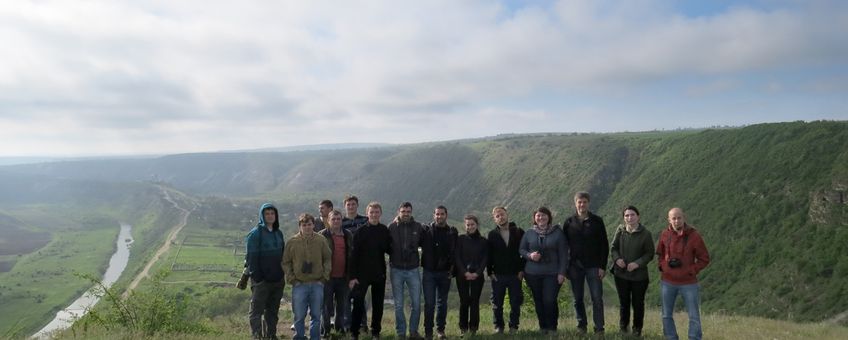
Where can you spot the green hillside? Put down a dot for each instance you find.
(769, 199)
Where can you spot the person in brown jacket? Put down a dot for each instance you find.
(307, 262)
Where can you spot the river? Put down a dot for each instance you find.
(66, 317)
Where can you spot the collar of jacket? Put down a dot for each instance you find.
(639, 228)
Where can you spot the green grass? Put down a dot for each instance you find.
(714, 327)
(43, 282)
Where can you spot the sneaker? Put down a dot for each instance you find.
(498, 330)
(624, 329)
(581, 330)
(441, 335)
(637, 333)
(415, 336)
(513, 330)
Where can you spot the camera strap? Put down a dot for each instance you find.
(668, 244)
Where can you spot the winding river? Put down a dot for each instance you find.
(66, 317)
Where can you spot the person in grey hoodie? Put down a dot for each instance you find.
(632, 249)
(546, 251)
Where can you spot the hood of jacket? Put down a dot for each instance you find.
(639, 228)
(262, 209)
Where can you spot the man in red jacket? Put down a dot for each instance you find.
(682, 255)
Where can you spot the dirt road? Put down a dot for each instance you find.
(166, 246)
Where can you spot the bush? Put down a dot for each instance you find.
(152, 311)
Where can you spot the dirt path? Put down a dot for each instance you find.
(839, 318)
(165, 247)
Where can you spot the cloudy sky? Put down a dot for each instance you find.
(151, 77)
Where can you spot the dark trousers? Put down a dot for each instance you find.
(581, 277)
(631, 292)
(336, 298)
(500, 287)
(436, 288)
(469, 302)
(378, 292)
(265, 301)
(545, 291)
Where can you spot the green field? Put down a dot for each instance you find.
(203, 257)
(43, 282)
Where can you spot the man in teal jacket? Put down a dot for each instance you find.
(265, 244)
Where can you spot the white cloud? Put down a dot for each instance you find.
(229, 75)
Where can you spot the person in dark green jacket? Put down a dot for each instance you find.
(631, 250)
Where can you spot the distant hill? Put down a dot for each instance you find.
(316, 147)
(770, 199)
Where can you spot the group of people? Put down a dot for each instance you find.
(334, 261)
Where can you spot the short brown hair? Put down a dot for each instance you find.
(305, 218)
(582, 194)
(546, 211)
(473, 218)
(351, 198)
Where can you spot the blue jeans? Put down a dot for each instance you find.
(311, 296)
(500, 286)
(545, 289)
(411, 279)
(691, 298)
(596, 289)
(436, 288)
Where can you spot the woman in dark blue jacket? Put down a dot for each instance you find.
(546, 251)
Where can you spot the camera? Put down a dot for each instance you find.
(674, 262)
(306, 267)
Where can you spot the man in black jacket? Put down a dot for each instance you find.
(404, 261)
(505, 269)
(351, 222)
(437, 250)
(587, 241)
(371, 243)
